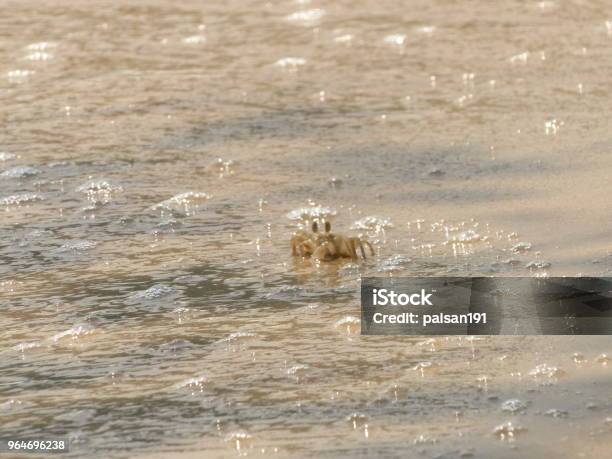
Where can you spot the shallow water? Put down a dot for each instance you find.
(153, 156)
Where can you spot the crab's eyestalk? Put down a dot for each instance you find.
(315, 227)
(327, 227)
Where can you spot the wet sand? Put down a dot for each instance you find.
(141, 321)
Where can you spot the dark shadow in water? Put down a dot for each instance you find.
(285, 124)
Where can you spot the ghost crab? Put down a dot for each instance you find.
(327, 246)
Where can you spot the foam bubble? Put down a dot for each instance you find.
(306, 17)
(346, 38)
(194, 40)
(521, 247)
(240, 440)
(310, 213)
(184, 203)
(519, 58)
(508, 430)
(4, 156)
(155, 291)
(20, 172)
(372, 223)
(20, 199)
(21, 347)
(546, 371)
(18, 76)
(514, 405)
(39, 56)
(99, 191)
(75, 332)
(290, 63)
(77, 246)
(41, 46)
(194, 384)
(397, 39)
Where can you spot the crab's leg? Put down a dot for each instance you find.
(370, 246)
(331, 248)
(352, 249)
(294, 247)
(357, 243)
(346, 248)
(322, 252)
(306, 248)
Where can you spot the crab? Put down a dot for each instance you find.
(327, 246)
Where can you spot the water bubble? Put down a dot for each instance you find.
(546, 5)
(519, 58)
(537, 265)
(41, 46)
(20, 172)
(521, 247)
(513, 405)
(508, 431)
(238, 336)
(311, 213)
(4, 156)
(397, 39)
(422, 367)
(349, 324)
(194, 384)
(241, 440)
(185, 204)
(99, 192)
(346, 38)
(483, 382)
(19, 76)
(290, 63)
(75, 332)
(21, 347)
(545, 371)
(224, 168)
(356, 419)
(462, 100)
(39, 56)
(194, 40)
(372, 223)
(306, 17)
(424, 439)
(20, 199)
(181, 314)
(297, 371)
(468, 78)
(155, 291)
(426, 30)
(77, 246)
(603, 359)
(10, 405)
(395, 262)
(469, 236)
(431, 343)
(555, 413)
(551, 127)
